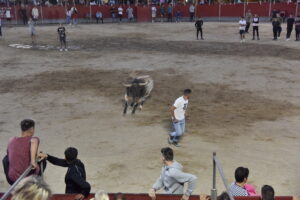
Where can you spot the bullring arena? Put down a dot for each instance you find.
(245, 103)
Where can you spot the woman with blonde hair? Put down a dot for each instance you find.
(33, 188)
(101, 195)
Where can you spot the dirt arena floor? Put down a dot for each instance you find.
(245, 103)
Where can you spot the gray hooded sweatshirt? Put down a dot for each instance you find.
(172, 180)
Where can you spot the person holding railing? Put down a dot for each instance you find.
(22, 152)
(172, 179)
(75, 177)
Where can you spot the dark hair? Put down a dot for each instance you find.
(167, 153)
(27, 124)
(223, 196)
(187, 91)
(240, 174)
(267, 192)
(71, 154)
(119, 195)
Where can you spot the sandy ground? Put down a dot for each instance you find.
(245, 104)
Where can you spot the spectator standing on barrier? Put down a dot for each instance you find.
(120, 13)
(297, 29)
(68, 16)
(153, 13)
(255, 24)
(178, 116)
(198, 25)
(276, 27)
(242, 24)
(248, 20)
(172, 179)
(23, 14)
(178, 16)
(130, 13)
(267, 193)
(75, 177)
(170, 13)
(238, 187)
(22, 152)
(289, 26)
(99, 16)
(33, 188)
(162, 12)
(35, 13)
(192, 12)
(61, 30)
(113, 13)
(8, 16)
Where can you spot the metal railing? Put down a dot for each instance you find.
(217, 165)
(8, 192)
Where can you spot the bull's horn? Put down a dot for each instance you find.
(142, 84)
(127, 84)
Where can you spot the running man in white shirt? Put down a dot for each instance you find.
(242, 24)
(179, 114)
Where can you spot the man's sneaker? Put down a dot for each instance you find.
(176, 144)
(258, 38)
(66, 49)
(60, 49)
(287, 39)
(170, 141)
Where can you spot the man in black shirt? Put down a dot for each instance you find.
(276, 26)
(75, 177)
(198, 25)
(289, 26)
(62, 37)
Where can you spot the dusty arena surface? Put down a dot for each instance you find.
(245, 103)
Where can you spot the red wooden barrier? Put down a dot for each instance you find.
(143, 14)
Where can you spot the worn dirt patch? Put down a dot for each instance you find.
(211, 105)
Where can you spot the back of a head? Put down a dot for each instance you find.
(33, 188)
(241, 173)
(187, 91)
(167, 153)
(119, 196)
(267, 192)
(101, 195)
(27, 124)
(223, 196)
(71, 154)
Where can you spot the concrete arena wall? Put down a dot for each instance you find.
(143, 14)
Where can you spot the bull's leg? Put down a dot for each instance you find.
(134, 108)
(125, 107)
(141, 105)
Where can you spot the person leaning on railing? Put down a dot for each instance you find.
(22, 152)
(33, 188)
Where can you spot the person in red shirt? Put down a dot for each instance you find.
(22, 152)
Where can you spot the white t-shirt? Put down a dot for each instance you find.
(120, 11)
(242, 23)
(153, 11)
(181, 106)
(7, 14)
(35, 13)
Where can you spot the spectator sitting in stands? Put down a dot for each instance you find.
(33, 188)
(267, 192)
(22, 152)
(75, 177)
(101, 195)
(119, 196)
(238, 187)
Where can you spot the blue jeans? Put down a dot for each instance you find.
(179, 128)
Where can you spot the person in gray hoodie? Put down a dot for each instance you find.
(172, 179)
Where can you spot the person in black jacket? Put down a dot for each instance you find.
(276, 25)
(289, 26)
(75, 177)
(198, 25)
(297, 29)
